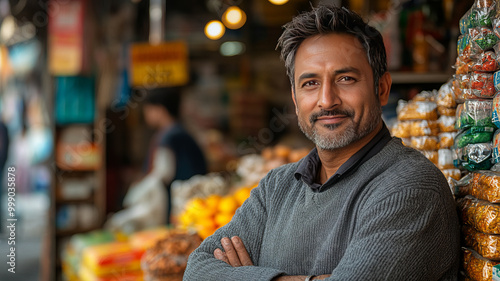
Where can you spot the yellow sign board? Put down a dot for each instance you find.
(161, 65)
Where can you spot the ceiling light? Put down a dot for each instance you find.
(234, 17)
(232, 48)
(278, 2)
(214, 29)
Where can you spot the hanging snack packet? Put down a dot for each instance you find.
(482, 84)
(445, 96)
(402, 129)
(480, 214)
(446, 139)
(496, 147)
(483, 39)
(475, 113)
(486, 62)
(424, 128)
(487, 245)
(474, 135)
(477, 267)
(416, 110)
(474, 157)
(495, 114)
(425, 143)
(445, 159)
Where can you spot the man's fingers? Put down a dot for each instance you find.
(242, 252)
(220, 255)
(231, 254)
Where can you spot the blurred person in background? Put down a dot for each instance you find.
(173, 155)
(359, 206)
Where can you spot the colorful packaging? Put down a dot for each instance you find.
(111, 257)
(486, 62)
(475, 113)
(474, 135)
(474, 157)
(496, 147)
(495, 114)
(477, 267)
(482, 84)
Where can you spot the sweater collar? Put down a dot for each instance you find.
(308, 169)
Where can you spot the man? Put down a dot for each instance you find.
(173, 155)
(360, 206)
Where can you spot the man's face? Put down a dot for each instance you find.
(334, 91)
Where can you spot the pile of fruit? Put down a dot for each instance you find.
(205, 215)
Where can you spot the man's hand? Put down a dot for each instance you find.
(235, 254)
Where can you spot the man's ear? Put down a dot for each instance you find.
(384, 88)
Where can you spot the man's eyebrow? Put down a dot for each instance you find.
(344, 70)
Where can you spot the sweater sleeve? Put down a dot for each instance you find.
(248, 223)
(410, 234)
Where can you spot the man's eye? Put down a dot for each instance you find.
(347, 79)
(309, 83)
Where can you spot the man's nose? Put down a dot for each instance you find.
(328, 97)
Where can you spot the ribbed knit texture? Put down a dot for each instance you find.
(393, 219)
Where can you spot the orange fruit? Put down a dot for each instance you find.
(242, 194)
(228, 204)
(222, 219)
(212, 201)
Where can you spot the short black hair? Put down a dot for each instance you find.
(168, 97)
(326, 19)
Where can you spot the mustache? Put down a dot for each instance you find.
(315, 115)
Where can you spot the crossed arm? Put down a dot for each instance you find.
(235, 254)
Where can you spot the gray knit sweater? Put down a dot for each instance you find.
(393, 219)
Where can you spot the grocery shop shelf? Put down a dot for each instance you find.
(419, 78)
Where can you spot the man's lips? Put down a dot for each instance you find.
(330, 119)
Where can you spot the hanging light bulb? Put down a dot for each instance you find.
(214, 29)
(234, 17)
(278, 2)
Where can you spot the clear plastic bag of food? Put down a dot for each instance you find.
(476, 112)
(424, 128)
(482, 39)
(402, 129)
(464, 49)
(485, 12)
(485, 185)
(486, 62)
(477, 267)
(425, 143)
(482, 84)
(446, 139)
(426, 96)
(451, 173)
(467, 21)
(432, 155)
(446, 123)
(480, 214)
(445, 96)
(486, 245)
(496, 80)
(416, 110)
(474, 135)
(463, 80)
(445, 159)
(475, 156)
(496, 147)
(495, 115)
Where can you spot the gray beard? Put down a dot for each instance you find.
(342, 139)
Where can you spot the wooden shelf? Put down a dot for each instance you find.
(419, 78)
(69, 232)
(60, 201)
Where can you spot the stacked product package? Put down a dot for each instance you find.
(476, 86)
(427, 123)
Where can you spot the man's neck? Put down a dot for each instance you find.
(331, 160)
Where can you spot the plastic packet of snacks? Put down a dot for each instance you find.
(445, 159)
(476, 112)
(482, 84)
(485, 185)
(451, 173)
(496, 80)
(445, 96)
(401, 129)
(425, 143)
(446, 139)
(424, 128)
(474, 135)
(426, 96)
(486, 62)
(416, 110)
(495, 115)
(463, 49)
(487, 245)
(477, 267)
(496, 147)
(482, 39)
(474, 157)
(480, 214)
(446, 123)
(432, 155)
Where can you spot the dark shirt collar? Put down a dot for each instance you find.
(309, 167)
